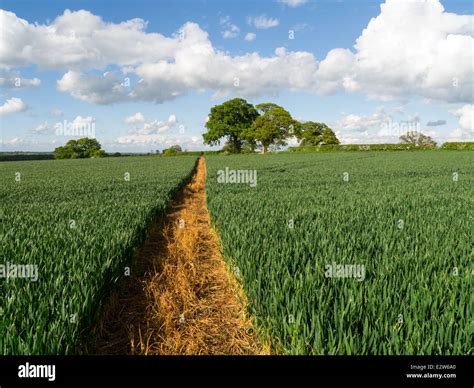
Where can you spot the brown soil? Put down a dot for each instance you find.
(181, 298)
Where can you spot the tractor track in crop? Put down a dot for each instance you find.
(180, 298)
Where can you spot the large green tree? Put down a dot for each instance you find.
(272, 127)
(230, 120)
(81, 148)
(312, 133)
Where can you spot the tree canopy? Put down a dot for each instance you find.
(417, 139)
(173, 150)
(312, 133)
(81, 148)
(272, 127)
(245, 127)
(230, 120)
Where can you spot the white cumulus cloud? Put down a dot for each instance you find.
(12, 105)
(411, 49)
(103, 89)
(77, 40)
(466, 117)
(465, 132)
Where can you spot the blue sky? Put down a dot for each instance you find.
(413, 66)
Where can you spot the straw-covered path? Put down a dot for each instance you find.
(180, 298)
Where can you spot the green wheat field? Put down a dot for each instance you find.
(405, 218)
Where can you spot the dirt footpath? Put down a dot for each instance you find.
(181, 298)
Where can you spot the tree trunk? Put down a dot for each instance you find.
(264, 149)
(237, 144)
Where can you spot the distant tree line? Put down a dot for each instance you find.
(19, 155)
(91, 148)
(244, 128)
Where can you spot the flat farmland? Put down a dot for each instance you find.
(69, 231)
(366, 253)
(334, 253)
